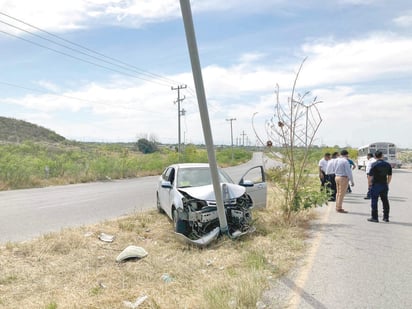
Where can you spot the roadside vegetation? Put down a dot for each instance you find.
(75, 269)
(405, 157)
(16, 131)
(294, 126)
(29, 164)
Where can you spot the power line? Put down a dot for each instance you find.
(78, 45)
(81, 59)
(41, 91)
(68, 47)
(123, 65)
(118, 63)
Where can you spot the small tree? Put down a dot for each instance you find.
(146, 146)
(293, 127)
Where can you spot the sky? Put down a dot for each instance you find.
(107, 71)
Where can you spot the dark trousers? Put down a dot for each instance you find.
(332, 186)
(368, 194)
(323, 180)
(379, 190)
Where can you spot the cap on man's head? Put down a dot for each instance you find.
(344, 152)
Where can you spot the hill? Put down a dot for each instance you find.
(16, 131)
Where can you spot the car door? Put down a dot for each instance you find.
(255, 183)
(165, 193)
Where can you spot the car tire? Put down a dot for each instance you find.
(158, 206)
(179, 225)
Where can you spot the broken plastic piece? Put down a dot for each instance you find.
(106, 237)
(137, 303)
(131, 252)
(166, 278)
(201, 242)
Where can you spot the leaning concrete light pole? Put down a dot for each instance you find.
(204, 114)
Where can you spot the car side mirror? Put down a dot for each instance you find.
(166, 184)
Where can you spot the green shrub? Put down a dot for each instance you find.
(146, 146)
(38, 164)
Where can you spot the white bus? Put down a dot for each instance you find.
(388, 151)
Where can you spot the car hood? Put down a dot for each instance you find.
(207, 193)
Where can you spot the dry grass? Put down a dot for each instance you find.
(74, 269)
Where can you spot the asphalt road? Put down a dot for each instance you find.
(353, 263)
(25, 214)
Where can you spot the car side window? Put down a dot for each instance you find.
(172, 175)
(255, 174)
(169, 175)
(166, 174)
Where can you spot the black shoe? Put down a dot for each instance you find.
(386, 219)
(367, 198)
(373, 220)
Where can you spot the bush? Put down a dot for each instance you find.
(146, 146)
(28, 165)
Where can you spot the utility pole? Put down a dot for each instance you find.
(179, 113)
(204, 113)
(243, 138)
(231, 133)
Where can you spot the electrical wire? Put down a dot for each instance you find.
(84, 51)
(41, 91)
(113, 61)
(81, 59)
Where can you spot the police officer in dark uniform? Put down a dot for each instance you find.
(379, 177)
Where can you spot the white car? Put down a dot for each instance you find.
(185, 193)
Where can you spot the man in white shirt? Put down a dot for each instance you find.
(330, 176)
(343, 175)
(371, 160)
(323, 163)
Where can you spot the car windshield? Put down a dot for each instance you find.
(198, 176)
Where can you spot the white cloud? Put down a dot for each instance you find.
(46, 14)
(379, 56)
(332, 72)
(342, 73)
(48, 85)
(404, 20)
(59, 16)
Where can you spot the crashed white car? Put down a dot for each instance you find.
(185, 193)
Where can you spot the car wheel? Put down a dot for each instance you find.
(179, 225)
(175, 217)
(159, 207)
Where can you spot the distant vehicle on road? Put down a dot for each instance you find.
(185, 193)
(388, 151)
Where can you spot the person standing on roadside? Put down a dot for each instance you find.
(343, 175)
(323, 164)
(371, 160)
(352, 166)
(380, 175)
(330, 176)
